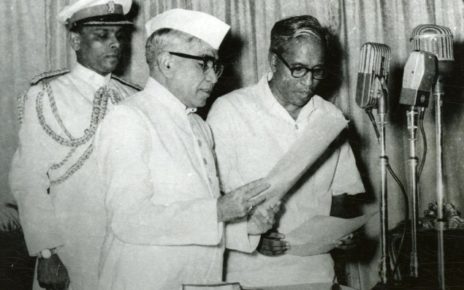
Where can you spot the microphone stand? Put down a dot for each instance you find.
(438, 94)
(411, 116)
(439, 41)
(384, 271)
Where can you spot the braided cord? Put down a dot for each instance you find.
(99, 108)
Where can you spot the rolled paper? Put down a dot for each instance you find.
(306, 150)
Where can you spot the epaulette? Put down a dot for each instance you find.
(46, 75)
(134, 86)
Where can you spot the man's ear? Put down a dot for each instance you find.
(272, 61)
(165, 64)
(75, 40)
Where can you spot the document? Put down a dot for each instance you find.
(305, 152)
(320, 234)
(219, 286)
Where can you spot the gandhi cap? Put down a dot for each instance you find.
(95, 12)
(199, 24)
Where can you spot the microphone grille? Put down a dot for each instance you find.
(374, 67)
(435, 39)
(375, 59)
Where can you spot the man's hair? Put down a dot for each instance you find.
(165, 39)
(293, 28)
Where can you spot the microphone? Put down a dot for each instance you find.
(371, 92)
(435, 39)
(374, 66)
(419, 77)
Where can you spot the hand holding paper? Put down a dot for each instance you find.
(303, 154)
(240, 202)
(262, 219)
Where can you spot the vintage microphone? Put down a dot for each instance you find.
(419, 77)
(439, 41)
(371, 93)
(374, 66)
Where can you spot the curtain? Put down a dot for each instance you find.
(32, 41)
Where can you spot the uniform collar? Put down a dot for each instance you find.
(89, 76)
(273, 105)
(164, 96)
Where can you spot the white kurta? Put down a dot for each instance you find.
(71, 217)
(252, 131)
(155, 158)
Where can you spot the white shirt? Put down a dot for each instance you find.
(71, 216)
(155, 159)
(252, 131)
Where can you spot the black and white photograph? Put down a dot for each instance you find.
(231, 145)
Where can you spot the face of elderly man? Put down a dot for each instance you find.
(98, 47)
(193, 83)
(302, 52)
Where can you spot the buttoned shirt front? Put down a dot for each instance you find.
(252, 131)
(155, 159)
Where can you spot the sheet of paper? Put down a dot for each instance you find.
(219, 286)
(320, 234)
(309, 147)
(312, 286)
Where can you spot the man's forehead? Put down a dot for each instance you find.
(309, 42)
(198, 47)
(306, 52)
(103, 27)
(307, 39)
(208, 53)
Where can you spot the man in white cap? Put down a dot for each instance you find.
(52, 174)
(165, 210)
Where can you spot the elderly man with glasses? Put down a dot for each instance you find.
(255, 126)
(165, 211)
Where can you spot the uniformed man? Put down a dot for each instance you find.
(52, 175)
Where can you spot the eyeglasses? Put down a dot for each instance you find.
(318, 72)
(207, 62)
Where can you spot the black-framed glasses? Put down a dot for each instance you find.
(207, 62)
(318, 72)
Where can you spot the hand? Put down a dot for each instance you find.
(348, 242)
(273, 244)
(52, 274)
(262, 219)
(9, 219)
(239, 203)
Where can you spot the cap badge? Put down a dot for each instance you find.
(110, 7)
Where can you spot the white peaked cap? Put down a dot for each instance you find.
(82, 9)
(199, 24)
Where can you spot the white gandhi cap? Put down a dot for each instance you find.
(199, 24)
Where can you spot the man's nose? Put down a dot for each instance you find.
(115, 43)
(307, 79)
(211, 76)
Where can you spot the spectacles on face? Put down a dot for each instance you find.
(207, 62)
(318, 72)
